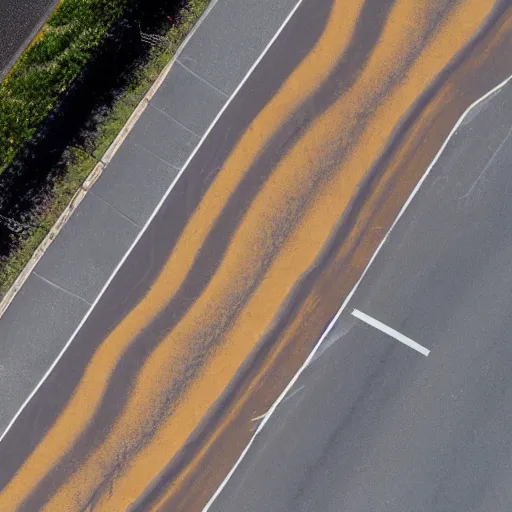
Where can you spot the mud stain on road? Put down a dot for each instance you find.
(297, 245)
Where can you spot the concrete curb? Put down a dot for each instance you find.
(97, 171)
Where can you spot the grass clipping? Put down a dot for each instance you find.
(46, 70)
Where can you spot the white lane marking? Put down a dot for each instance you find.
(390, 332)
(259, 417)
(155, 211)
(293, 393)
(349, 296)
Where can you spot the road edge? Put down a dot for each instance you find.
(332, 323)
(114, 147)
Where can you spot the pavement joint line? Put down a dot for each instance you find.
(377, 324)
(348, 298)
(114, 148)
(99, 198)
(201, 78)
(487, 165)
(140, 146)
(29, 39)
(67, 292)
(96, 172)
(174, 120)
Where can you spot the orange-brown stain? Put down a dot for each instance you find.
(309, 190)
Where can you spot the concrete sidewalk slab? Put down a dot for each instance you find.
(87, 249)
(164, 137)
(136, 180)
(231, 38)
(188, 99)
(39, 314)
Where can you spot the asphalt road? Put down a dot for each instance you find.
(19, 22)
(372, 424)
(260, 219)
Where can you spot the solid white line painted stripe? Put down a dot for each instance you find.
(158, 207)
(350, 295)
(390, 332)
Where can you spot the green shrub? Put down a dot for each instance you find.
(48, 68)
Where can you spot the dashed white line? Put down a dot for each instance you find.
(367, 319)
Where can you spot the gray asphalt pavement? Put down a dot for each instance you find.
(372, 424)
(19, 22)
(86, 252)
(74, 269)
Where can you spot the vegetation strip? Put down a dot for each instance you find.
(32, 90)
(47, 69)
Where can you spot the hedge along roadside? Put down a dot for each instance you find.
(79, 164)
(32, 88)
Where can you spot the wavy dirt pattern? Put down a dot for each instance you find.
(277, 239)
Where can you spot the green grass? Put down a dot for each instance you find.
(47, 69)
(79, 164)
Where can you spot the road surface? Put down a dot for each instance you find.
(19, 23)
(373, 424)
(251, 255)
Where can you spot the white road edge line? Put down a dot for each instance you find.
(367, 319)
(349, 296)
(155, 211)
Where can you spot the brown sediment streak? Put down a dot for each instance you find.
(314, 69)
(293, 343)
(297, 255)
(280, 191)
